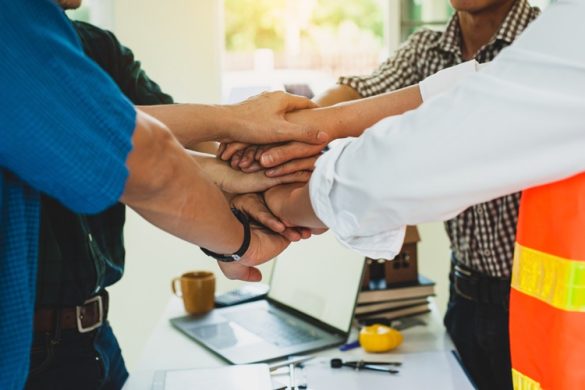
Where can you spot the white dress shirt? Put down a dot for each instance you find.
(518, 123)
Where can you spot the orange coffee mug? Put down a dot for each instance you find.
(197, 290)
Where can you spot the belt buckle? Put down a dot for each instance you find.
(80, 327)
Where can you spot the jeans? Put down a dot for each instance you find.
(71, 360)
(480, 333)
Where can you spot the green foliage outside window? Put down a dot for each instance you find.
(252, 24)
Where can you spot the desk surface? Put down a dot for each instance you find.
(167, 348)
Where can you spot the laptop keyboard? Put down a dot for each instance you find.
(273, 328)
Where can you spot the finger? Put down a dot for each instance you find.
(281, 154)
(318, 231)
(292, 234)
(231, 149)
(260, 151)
(305, 164)
(237, 271)
(267, 219)
(220, 150)
(254, 167)
(305, 233)
(297, 102)
(236, 159)
(296, 177)
(248, 157)
(253, 205)
(286, 131)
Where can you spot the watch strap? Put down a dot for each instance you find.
(228, 258)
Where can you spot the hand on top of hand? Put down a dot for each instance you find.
(266, 241)
(280, 158)
(262, 120)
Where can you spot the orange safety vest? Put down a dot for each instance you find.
(547, 300)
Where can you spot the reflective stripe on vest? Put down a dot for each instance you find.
(547, 300)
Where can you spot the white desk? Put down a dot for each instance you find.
(167, 348)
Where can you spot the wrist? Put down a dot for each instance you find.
(334, 121)
(226, 123)
(323, 118)
(302, 201)
(238, 247)
(232, 123)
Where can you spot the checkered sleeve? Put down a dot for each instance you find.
(398, 71)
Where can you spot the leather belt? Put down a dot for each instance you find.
(480, 288)
(84, 318)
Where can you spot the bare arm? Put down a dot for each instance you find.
(349, 119)
(234, 181)
(169, 189)
(258, 120)
(337, 94)
(292, 204)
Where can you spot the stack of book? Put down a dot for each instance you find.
(384, 303)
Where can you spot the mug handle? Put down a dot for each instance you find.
(176, 291)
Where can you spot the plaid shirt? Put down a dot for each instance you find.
(482, 237)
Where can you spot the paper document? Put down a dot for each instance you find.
(244, 377)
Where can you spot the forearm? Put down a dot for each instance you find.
(292, 204)
(192, 124)
(168, 188)
(351, 119)
(337, 94)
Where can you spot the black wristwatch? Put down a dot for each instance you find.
(243, 218)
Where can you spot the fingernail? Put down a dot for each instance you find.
(322, 136)
(271, 172)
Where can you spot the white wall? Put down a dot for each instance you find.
(179, 43)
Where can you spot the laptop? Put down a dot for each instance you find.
(310, 305)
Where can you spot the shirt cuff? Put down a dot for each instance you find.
(344, 225)
(445, 79)
(380, 246)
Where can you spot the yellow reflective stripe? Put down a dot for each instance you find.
(522, 382)
(551, 279)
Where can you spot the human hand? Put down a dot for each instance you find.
(285, 158)
(292, 205)
(264, 246)
(261, 120)
(251, 179)
(255, 207)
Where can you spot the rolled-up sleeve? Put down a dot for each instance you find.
(66, 127)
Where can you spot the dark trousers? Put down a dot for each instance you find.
(70, 360)
(480, 333)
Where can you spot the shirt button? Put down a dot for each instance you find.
(480, 210)
(487, 253)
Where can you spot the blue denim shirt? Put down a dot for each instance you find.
(65, 131)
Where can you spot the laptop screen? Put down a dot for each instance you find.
(319, 277)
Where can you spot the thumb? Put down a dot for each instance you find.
(297, 102)
(287, 131)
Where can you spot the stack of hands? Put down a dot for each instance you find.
(261, 166)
